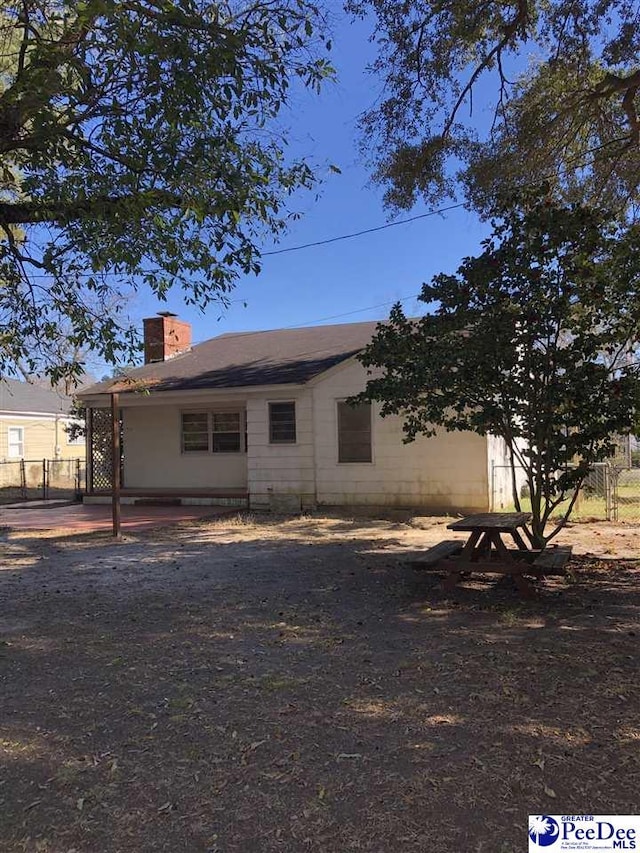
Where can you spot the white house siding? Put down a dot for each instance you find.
(153, 458)
(280, 469)
(448, 471)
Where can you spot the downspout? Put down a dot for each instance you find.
(314, 455)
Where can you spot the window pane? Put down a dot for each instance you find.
(226, 442)
(226, 422)
(354, 433)
(195, 431)
(15, 441)
(226, 432)
(282, 422)
(195, 422)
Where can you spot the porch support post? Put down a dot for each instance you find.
(115, 465)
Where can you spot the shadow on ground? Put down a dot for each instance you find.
(291, 694)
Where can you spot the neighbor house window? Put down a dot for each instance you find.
(215, 432)
(15, 442)
(354, 432)
(225, 432)
(195, 432)
(282, 423)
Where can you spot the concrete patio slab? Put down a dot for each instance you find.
(86, 519)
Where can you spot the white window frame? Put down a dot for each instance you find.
(19, 442)
(209, 413)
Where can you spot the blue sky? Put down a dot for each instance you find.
(316, 285)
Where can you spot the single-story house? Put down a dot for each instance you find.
(34, 422)
(260, 419)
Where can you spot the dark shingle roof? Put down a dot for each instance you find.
(238, 360)
(16, 396)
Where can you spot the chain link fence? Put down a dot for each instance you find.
(609, 493)
(41, 479)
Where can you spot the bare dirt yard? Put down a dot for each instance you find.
(291, 685)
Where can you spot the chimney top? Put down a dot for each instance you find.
(165, 336)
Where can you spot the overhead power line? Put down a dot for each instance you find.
(434, 212)
(366, 231)
(357, 311)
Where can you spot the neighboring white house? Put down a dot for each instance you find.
(261, 417)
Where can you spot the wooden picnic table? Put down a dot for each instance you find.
(486, 551)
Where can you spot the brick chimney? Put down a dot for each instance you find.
(165, 336)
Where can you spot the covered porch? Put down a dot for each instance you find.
(188, 451)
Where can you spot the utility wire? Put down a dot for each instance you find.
(322, 319)
(357, 311)
(366, 231)
(429, 213)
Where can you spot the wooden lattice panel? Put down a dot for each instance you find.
(101, 457)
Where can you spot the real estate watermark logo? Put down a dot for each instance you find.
(543, 830)
(585, 833)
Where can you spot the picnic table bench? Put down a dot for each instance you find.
(485, 551)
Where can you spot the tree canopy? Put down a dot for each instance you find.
(563, 79)
(140, 143)
(534, 341)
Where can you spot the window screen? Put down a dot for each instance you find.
(354, 433)
(195, 431)
(226, 432)
(282, 423)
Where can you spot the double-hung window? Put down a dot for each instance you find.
(211, 432)
(354, 432)
(15, 442)
(282, 423)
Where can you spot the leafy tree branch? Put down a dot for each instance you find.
(569, 115)
(141, 144)
(532, 341)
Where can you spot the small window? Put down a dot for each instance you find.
(282, 423)
(195, 432)
(15, 442)
(226, 432)
(354, 432)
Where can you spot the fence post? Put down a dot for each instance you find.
(44, 479)
(23, 480)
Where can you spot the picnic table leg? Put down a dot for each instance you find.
(522, 545)
(468, 552)
(470, 545)
(484, 545)
(522, 584)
